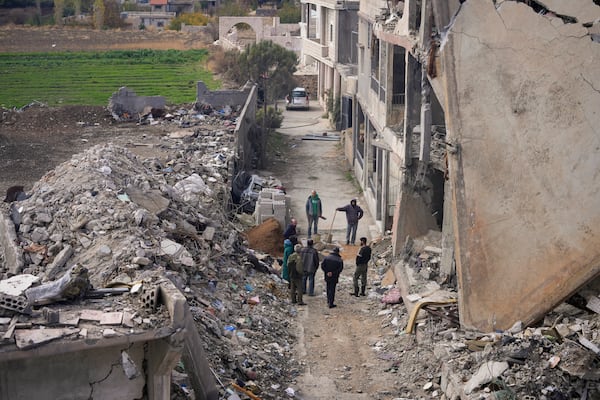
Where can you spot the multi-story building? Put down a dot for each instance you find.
(397, 153)
(496, 168)
(329, 33)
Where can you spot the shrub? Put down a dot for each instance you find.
(272, 121)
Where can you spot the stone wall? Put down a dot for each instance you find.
(219, 99)
(247, 136)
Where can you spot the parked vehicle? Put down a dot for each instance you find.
(297, 100)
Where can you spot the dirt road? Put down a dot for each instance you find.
(343, 349)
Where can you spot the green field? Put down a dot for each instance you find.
(90, 78)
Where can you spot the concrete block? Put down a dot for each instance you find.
(220, 98)
(13, 255)
(175, 302)
(209, 233)
(18, 284)
(59, 261)
(111, 318)
(29, 338)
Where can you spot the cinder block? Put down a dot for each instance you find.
(265, 195)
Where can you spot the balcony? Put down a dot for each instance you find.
(315, 49)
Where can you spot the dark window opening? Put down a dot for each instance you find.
(437, 200)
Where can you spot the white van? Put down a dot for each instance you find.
(298, 99)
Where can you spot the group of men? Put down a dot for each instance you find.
(314, 212)
(300, 263)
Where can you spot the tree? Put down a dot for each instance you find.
(269, 65)
(289, 13)
(59, 9)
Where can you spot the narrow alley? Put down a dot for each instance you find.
(340, 347)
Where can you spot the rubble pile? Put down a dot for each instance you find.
(558, 358)
(127, 220)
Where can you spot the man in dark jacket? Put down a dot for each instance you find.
(362, 261)
(291, 229)
(353, 214)
(310, 261)
(332, 266)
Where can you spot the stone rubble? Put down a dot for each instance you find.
(556, 358)
(129, 220)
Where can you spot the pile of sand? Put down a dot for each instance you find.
(267, 237)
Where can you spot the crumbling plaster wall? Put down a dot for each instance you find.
(99, 375)
(249, 148)
(522, 93)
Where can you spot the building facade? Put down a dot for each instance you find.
(398, 130)
(329, 37)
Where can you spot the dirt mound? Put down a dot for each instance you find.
(267, 237)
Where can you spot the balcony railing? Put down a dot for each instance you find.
(398, 99)
(314, 49)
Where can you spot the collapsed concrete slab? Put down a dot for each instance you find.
(522, 93)
(84, 354)
(125, 104)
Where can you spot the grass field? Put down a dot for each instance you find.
(90, 78)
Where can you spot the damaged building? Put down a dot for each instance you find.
(109, 264)
(478, 119)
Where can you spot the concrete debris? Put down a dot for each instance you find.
(556, 359)
(485, 374)
(125, 105)
(72, 285)
(29, 338)
(16, 285)
(111, 218)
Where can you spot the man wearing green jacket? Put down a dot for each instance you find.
(314, 211)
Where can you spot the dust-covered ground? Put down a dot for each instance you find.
(38, 138)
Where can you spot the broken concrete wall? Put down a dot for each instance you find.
(8, 243)
(412, 218)
(219, 99)
(125, 101)
(99, 374)
(248, 147)
(522, 92)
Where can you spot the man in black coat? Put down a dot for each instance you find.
(332, 266)
(353, 214)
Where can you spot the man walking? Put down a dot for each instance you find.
(314, 211)
(353, 214)
(310, 263)
(362, 261)
(332, 266)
